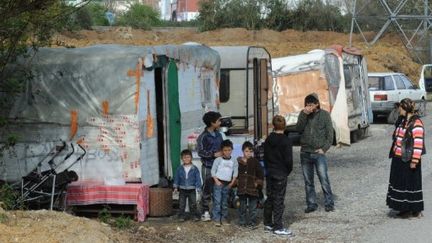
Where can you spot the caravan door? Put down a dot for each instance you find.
(261, 88)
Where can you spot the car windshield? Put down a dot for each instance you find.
(380, 83)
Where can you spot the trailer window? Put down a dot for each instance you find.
(224, 87)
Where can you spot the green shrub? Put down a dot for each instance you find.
(139, 16)
(104, 215)
(123, 222)
(97, 13)
(3, 218)
(8, 196)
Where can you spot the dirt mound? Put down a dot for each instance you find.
(388, 54)
(49, 226)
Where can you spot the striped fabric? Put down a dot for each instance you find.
(418, 135)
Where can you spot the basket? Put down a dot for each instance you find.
(160, 202)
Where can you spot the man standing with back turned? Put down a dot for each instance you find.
(317, 138)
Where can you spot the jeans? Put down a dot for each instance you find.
(207, 188)
(220, 202)
(248, 210)
(309, 162)
(190, 195)
(274, 205)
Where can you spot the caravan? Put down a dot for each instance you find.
(244, 90)
(130, 107)
(339, 77)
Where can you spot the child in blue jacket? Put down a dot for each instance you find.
(187, 180)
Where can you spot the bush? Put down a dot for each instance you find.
(139, 16)
(97, 13)
(8, 196)
(273, 14)
(104, 215)
(123, 222)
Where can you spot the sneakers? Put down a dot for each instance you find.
(268, 228)
(225, 222)
(310, 210)
(283, 232)
(181, 219)
(329, 208)
(252, 226)
(206, 216)
(217, 223)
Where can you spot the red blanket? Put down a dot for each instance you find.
(87, 193)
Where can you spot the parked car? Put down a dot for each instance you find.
(387, 89)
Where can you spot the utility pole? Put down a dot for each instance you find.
(417, 41)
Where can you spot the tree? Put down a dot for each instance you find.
(279, 16)
(25, 25)
(231, 13)
(139, 16)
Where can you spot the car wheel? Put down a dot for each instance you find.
(354, 136)
(422, 108)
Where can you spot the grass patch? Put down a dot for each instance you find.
(123, 222)
(3, 218)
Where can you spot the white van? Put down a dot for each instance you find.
(425, 82)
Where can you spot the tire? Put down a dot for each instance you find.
(354, 136)
(393, 116)
(375, 118)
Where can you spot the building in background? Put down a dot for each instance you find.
(187, 10)
(179, 10)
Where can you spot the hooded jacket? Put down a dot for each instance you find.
(250, 177)
(278, 159)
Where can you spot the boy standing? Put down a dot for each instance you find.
(224, 172)
(317, 137)
(250, 180)
(187, 179)
(208, 146)
(278, 162)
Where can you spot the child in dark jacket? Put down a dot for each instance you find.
(209, 148)
(249, 181)
(187, 180)
(278, 161)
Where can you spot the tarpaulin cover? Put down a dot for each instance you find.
(319, 71)
(90, 96)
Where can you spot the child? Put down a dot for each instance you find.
(208, 146)
(250, 180)
(278, 163)
(224, 172)
(187, 179)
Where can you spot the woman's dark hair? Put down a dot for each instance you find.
(211, 117)
(407, 105)
(227, 143)
(247, 145)
(185, 152)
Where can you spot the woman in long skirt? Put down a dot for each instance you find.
(405, 187)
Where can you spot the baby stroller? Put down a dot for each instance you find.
(45, 189)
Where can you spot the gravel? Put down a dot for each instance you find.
(359, 178)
